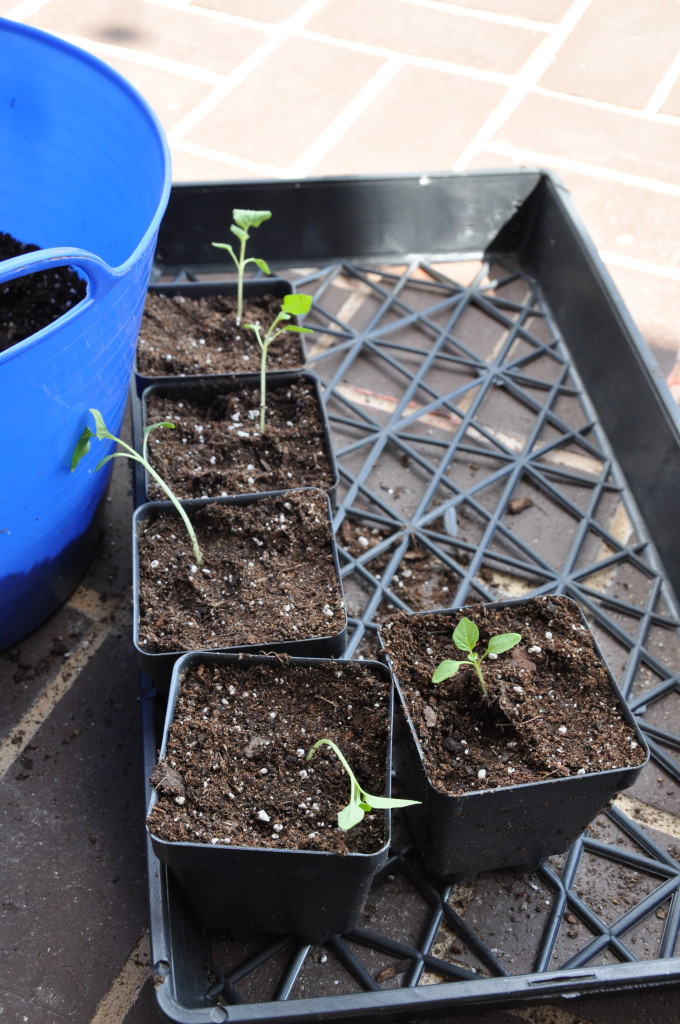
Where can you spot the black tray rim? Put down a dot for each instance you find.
(483, 993)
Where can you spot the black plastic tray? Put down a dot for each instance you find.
(500, 430)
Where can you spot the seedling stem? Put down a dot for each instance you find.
(292, 305)
(243, 220)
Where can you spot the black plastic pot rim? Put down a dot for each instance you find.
(205, 289)
(213, 384)
(146, 509)
(201, 657)
(454, 613)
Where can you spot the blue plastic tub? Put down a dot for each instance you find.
(85, 175)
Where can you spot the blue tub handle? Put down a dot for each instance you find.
(100, 276)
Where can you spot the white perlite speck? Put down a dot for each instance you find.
(262, 816)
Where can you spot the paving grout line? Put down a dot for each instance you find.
(236, 77)
(448, 422)
(645, 814)
(145, 59)
(513, 20)
(620, 259)
(238, 20)
(89, 602)
(47, 700)
(25, 9)
(525, 79)
(664, 87)
(534, 158)
(126, 987)
(430, 63)
(230, 160)
(331, 134)
(620, 528)
(652, 117)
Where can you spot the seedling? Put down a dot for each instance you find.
(243, 220)
(292, 305)
(101, 433)
(360, 801)
(466, 637)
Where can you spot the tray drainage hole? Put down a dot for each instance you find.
(218, 1015)
(160, 970)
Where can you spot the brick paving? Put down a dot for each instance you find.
(286, 88)
(371, 86)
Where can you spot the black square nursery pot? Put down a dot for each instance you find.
(286, 353)
(511, 825)
(296, 417)
(248, 890)
(301, 517)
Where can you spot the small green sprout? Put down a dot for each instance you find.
(102, 434)
(465, 637)
(243, 220)
(360, 801)
(292, 305)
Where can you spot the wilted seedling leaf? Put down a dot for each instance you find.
(245, 219)
(101, 433)
(360, 801)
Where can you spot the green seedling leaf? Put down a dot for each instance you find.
(155, 426)
(250, 218)
(379, 803)
(229, 248)
(465, 635)
(503, 642)
(82, 447)
(349, 816)
(446, 669)
(243, 221)
(103, 434)
(360, 801)
(297, 304)
(291, 305)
